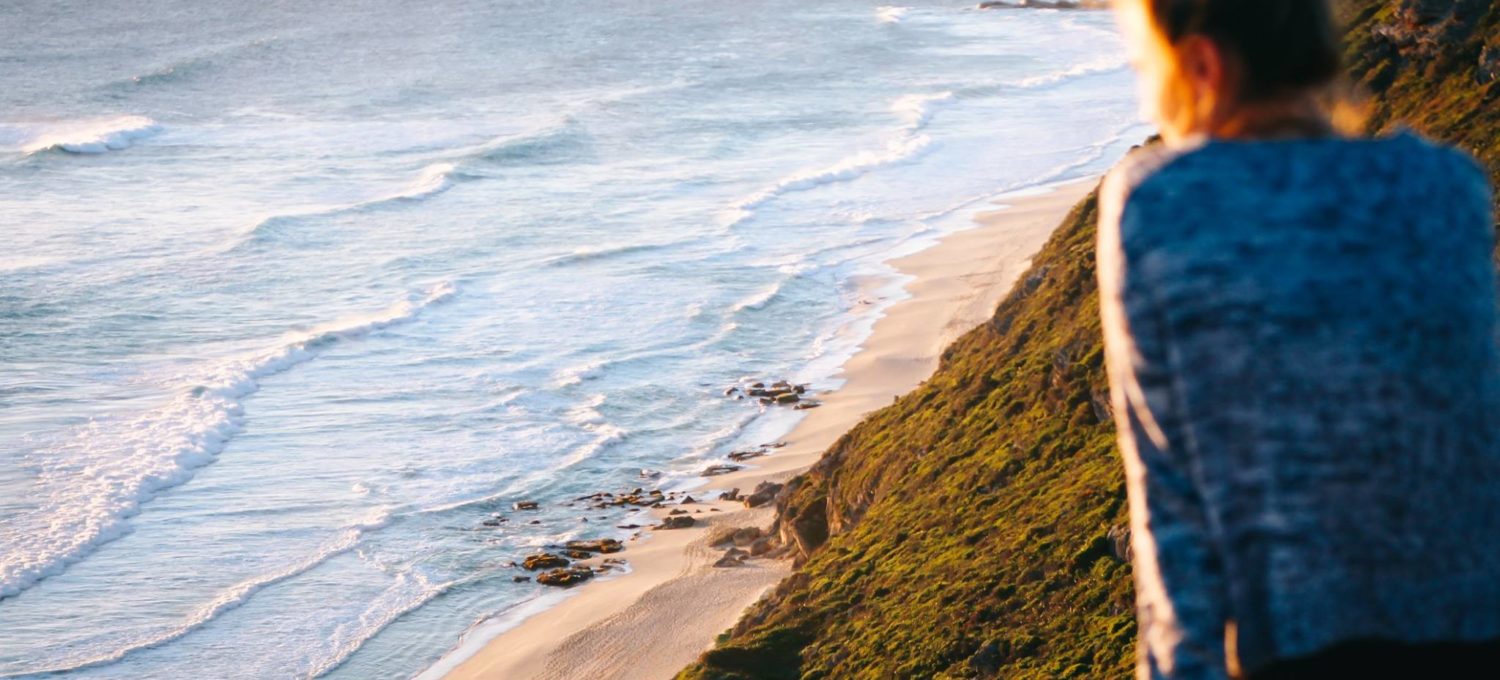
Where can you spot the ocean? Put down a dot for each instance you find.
(295, 295)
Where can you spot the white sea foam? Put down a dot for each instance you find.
(102, 477)
(590, 253)
(891, 14)
(848, 168)
(918, 109)
(411, 589)
(431, 181)
(232, 597)
(914, 110)
(759, 299)
(434, 179)
(92, 136)
(1111, 64)
(576, 374)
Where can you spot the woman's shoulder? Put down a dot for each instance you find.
(1219, 171)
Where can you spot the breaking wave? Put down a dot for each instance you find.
(101, 478)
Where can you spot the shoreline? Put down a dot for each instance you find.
(670, 606)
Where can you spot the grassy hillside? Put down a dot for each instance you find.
(974, 527)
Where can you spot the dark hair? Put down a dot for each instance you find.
(1281, 47)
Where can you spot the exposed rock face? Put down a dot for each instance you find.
(1422, 29)
(746, 536)
(1119, 537)
(730, 495)
(733, 557)
(764, 493)
(678, 522)
(601, 545)
(565, 577)
(1489, 65)
(762, 545)
(544, 561)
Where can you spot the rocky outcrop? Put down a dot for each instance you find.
(720, 469)
(733, 557)
(565, 577)
(544, 560)
(598, 545)
(764, 493)
(678, 522)
(781, 392)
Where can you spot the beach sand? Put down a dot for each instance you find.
(658, 618)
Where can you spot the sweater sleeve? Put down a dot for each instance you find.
(1180, 588)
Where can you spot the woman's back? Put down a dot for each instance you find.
(1305, 344)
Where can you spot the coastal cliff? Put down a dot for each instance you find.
(975, 527)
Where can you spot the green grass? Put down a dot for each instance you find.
(963, 531)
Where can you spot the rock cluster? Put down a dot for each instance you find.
(742, 544)
(600, 545)
(779, 393)
(638, 497)
(560, 572)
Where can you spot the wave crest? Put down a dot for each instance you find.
(914, 110)
(103, 477)
(431, 181)
(93, 137)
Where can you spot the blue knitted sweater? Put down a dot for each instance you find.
(1302, 347)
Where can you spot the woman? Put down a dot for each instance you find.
(1301, 337)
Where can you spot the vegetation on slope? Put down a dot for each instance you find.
(974, 527)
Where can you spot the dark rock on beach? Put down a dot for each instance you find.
(565, 577)
(602, 545)
(778, 392)
(746, 536)
(720, 469)
(734, 557)
(544, 561)
(526, 505)
(764, 493)
(678, 522)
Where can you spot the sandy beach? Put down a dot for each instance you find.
(651, 622)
